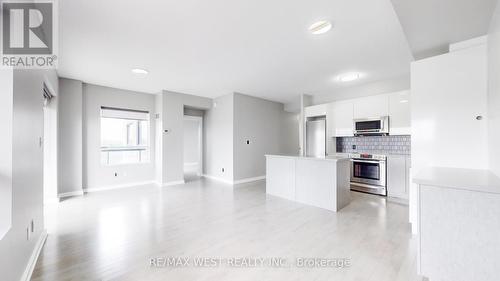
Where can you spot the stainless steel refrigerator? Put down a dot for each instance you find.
(316, 138)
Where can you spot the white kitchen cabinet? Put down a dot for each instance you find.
(449, 101)
(331, 143)
(398, 174)
(319, 182)
(373, 106)
(342, 118)
(399, 113)
(458, 213)
(316, 110)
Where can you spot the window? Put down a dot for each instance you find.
(124, 136)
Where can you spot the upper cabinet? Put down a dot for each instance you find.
(342, 112)
(340, 115)
(316, 110)
(373, 106)
(399, 112)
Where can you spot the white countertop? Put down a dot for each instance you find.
(464, 179)
(325, 158)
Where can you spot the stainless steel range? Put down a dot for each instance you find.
(369, 173)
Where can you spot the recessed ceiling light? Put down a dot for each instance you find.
(348, 77)
(320, 27)
(139, 71)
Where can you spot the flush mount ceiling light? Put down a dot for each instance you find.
(140, 71)
(404, 101)
(320, 27)
(348, 77)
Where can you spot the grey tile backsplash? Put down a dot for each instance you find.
(400, 145)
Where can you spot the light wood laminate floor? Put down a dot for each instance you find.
(112, 235)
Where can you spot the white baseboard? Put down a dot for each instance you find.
(234, 182)
(70, 194)
(119, 186)
(249, 180)
(34, 256)
(218, 179)
(47, 201)
(173, 183)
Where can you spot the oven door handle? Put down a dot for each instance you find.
(368, 130)
(367, 161)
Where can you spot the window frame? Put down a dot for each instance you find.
(140, 148)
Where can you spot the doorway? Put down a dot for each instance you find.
(193, 147)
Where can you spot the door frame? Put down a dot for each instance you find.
(199, 119)
(50, 142)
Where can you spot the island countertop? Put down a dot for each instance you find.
(456, 178)
(325, 158)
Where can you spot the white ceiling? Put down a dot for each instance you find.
(211, 48)
(431, 25)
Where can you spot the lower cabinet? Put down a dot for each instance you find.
(398, 174)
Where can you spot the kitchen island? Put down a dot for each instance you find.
(458, 224)
(320, 182)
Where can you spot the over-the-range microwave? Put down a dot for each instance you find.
(371, 126)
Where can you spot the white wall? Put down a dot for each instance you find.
(363, 90)
(172, 144)
(294, 105)
(70, 151)
(305, 101)
(494, 92)
(166, 113)
(193, 112)
(237, 118)
(27, 171)
(191, 141)
(349, 92)
(6, 115)
(290, 127)
(219, 138)
(50, 147)
(95, 175)
(158, 156)
(263, 124)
